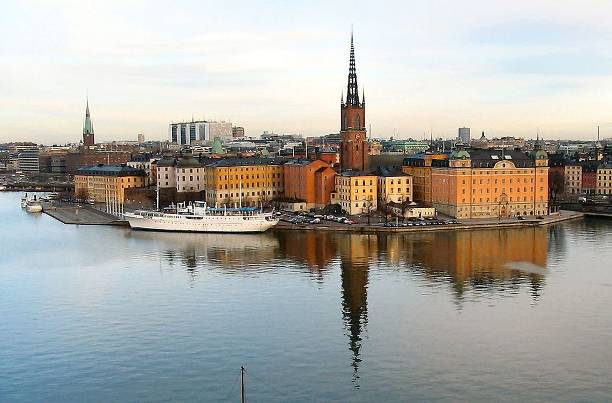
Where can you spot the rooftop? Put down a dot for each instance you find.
(110, 170)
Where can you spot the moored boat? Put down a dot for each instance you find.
(34, 206)
(197, 217)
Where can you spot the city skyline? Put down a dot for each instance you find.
(507, 70)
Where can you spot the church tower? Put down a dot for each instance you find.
(353, 145)
(88, 132)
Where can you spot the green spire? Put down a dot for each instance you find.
(87, 126)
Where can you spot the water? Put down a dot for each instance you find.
(102, 314)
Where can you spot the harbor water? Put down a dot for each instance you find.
(100, 313)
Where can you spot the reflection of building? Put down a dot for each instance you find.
(355, 252)
(315, 249)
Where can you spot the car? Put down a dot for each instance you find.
(315, 221)
(540, 217)
(520, 217)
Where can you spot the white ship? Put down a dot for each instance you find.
(197, 217)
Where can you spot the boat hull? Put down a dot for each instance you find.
(222, 224)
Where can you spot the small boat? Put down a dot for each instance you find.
(2, 187)
(24, 201)
(34, 206)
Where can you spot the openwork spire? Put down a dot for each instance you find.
(352, 93)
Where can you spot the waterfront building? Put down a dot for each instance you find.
(148, 164)
(419, 168)
(249, 181)
(393, 187)
(589, 176)
(464, 135)
(491, 183)
(573, 178)
(604, 179)
(410, 210)
(187, 133)
(88, 130)
(353, 145)
(99, 181)
(28, 158)
(308, 181)
(356, 192)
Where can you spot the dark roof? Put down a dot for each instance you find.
(390, 172)
(488, 158)
(110, 170)
(232, 162)
(351, 172)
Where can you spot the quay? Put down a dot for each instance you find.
(81, 215)
(88, 215)
(473, 224)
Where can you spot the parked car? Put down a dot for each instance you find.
(540, 217)
(520, 217)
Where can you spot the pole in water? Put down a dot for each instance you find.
(242, 399)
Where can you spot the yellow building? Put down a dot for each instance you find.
(103, 182)
(419, 167)
(356, 192)
(573, 179)
(604, 179)
(395, 187)
(250, 181)
(490, 183)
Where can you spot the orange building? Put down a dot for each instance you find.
(309, 181)
(490, 183)
(419, 167)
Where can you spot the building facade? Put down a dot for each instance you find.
(464, 135)
(28, 158)
(604, 179)
(245, 181)
(393, 187)
(419, 168)
(309, 181)
(353, 144)
(573, 179)
(356, 192)
(490, 183)
(187, 133)
(101, 182)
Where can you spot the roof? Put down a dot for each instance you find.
(390, 172)
(351, 173)
(231, 162)
(110, 170)
(488, 158)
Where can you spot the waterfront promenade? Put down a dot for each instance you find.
(88, 215)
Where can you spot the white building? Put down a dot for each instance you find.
(27, 158)
(186, 133)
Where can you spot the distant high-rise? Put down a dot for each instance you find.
(141, 138)
(464, 135)
(88, 131)
(187, 133)
(237, 132)
(353, 146)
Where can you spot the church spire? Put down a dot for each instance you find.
(87, 126)
(352, 94)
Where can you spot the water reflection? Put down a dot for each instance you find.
(488, 264)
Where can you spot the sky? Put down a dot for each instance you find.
(509, 68)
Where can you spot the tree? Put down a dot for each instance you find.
(556, 186)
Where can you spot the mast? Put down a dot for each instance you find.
(242, 394)
(157, 194)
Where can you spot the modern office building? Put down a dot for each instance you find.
(464, 135)
(187, 133)
(28, 158)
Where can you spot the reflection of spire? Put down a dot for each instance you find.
(355, 293)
